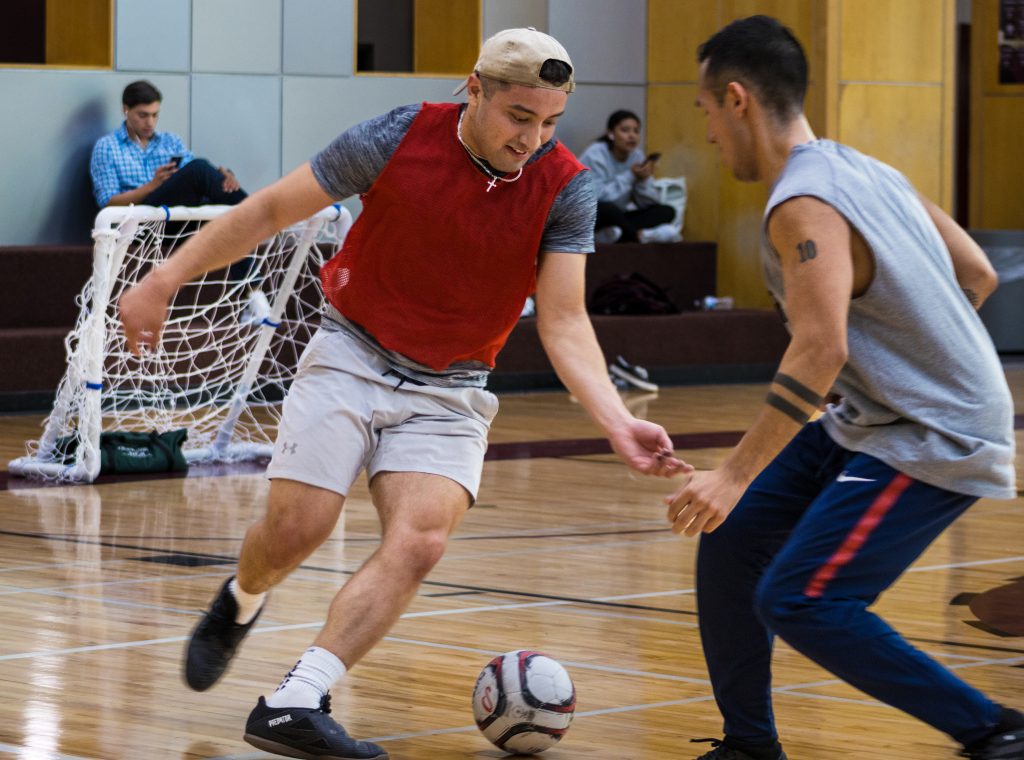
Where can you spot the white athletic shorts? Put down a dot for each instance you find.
(344, 414)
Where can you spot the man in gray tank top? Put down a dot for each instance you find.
(806, 523)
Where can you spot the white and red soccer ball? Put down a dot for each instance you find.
(524, 701)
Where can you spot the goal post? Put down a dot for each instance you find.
(226, 356)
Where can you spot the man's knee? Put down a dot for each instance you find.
(784, 610)
(420, 549)
(300, 518)
(200, 166)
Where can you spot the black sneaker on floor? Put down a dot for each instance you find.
(215, 641)
(305, 733)
(723, 752)
(1006, 744)
(632, 374)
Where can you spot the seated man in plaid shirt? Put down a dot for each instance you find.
(137, 164)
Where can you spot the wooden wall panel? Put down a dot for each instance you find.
(446, 36)
(79, 33)
(896, 89)
(739, 233)
(997, 114)
(999, 165)
(675, 28)
(892, 40)
(798, 15)
(677, 128)
(881, 79)
(901, 125)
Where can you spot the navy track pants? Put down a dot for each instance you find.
(816, 538)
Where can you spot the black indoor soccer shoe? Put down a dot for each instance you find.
(306, 733)
(215, 641)
(722, 751)
(1006, 744)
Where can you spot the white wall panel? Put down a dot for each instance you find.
(234, 104)
(236, 122)
(319, 37)
(588, 110)
(236, 36)
(606, 39)
(502, 14)
(46, 195)
(316, 110)
(153, 35)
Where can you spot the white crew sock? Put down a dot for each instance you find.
(248, 604)
(311, 678)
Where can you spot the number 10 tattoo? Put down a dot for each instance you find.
(808, 250)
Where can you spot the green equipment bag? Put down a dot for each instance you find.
(124, 452)
(133, 452)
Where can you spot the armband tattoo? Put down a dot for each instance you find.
(798, 389)
(793, 412)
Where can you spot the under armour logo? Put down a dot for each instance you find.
(289, 448)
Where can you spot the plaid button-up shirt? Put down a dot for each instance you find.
(118, 164)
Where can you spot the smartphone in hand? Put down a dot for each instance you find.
(652, 157)
(176, 160)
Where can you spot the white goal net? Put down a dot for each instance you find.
(226, 357)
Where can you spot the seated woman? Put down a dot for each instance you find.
(627, 201)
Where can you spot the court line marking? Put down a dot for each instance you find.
(580, 714)
(974, 563)
(120, 603)
(791, 689)
(564, 548)
(621, 616)
(109, 584)
(568, 663)
(473, 728)
(407, 615)
(591, 529)
(55, 565)
(20, 751)
(648, 594)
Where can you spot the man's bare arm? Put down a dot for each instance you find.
(973, 270)
(223, 241)
(814, 243)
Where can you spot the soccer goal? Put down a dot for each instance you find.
(226, 357)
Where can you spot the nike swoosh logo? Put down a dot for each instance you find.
(844, 478)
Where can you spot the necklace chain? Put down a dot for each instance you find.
(479, 160)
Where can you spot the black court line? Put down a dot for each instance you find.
(226, 559)
(467, 589)
(363, 539)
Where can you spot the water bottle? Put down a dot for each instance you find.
(714, 303)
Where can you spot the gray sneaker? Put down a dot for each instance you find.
(631, 374)
(608, 235)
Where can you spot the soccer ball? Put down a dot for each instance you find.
(523, 702)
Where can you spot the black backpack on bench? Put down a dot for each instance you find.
(630, 294)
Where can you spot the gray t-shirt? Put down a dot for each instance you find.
(354, 160)
(615, 180)
(922, 388)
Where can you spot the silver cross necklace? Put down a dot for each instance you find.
(479, 161)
